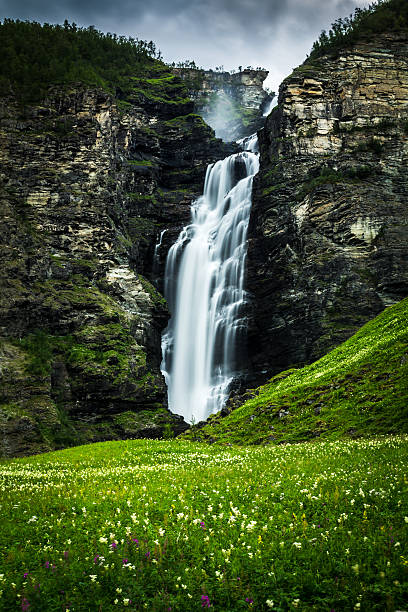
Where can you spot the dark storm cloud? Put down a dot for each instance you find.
(276, 34)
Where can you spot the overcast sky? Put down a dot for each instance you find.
(275, 34)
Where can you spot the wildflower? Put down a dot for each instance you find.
(26, 574)
(205, 601)
(269, 603)
(297, 544)
(161, 532)
(126, 602)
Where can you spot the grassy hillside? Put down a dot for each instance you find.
(360, 388)
(180, 526)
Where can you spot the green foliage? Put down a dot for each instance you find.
(96, 350)
(186, 122)
(154, 525)
(360, 172)
(156, 297)
(165, 89)
(359, 388)
(140, 162)
(35, 56)
(191, 74)
(381, 16)
(373, 145)
(327, 176)
(168, 433)
(39, 349)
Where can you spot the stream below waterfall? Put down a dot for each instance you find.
(204, 289)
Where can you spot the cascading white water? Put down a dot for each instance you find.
(204, 290)
(268, 107)
(156, 258)
(249, 143)
(157, 247)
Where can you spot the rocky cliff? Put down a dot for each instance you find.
(328, 246)
(88, 183)
(231, 103)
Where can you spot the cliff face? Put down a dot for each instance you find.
(87, 186)
(328, 246)
(230, 103)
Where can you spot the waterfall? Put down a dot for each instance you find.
(156, 258)
(157, 247)
(249, 143)
(268, 107)
(204, 288)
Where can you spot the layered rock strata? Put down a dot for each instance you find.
(328, 237)
(88, 183)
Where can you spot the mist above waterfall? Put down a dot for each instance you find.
(221, 114)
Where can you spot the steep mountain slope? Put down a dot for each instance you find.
(359, 388)
(88, 182)
(328, 238)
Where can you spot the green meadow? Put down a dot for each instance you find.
(360, 388)
(180, 526)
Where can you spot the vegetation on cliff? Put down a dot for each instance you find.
(173, 525)
(35, 56)
(358, 389)
(381, 16)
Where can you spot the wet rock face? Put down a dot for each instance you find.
(328, 237)
(230, 103)
(87, 186)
